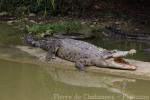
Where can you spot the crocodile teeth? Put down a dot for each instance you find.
(132, 51)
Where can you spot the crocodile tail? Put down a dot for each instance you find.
(30, 39)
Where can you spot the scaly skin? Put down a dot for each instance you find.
(82, 53)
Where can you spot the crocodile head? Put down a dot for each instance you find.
(114, 59)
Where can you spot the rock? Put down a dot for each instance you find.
(32, 15)
(94, 23)
(32, 21)
(26, 19)
(92, 26)
(83, 23)
(117, 22)
(10, 22)
(136, 29)
(3, 13)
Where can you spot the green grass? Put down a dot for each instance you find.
(61, 26)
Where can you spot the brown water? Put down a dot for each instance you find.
(31, 82)
(24, 81)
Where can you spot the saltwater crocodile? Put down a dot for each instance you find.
(80, 52)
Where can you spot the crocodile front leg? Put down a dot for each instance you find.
(79, 65)
(50, 55)
(52, 50)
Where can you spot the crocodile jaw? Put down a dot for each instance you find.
(115, 60)
(116, 53)
(119, 63)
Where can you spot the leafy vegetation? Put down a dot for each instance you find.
(136, 9)
(21, 7)
(62, 26)
(44, 7)
(55, 27)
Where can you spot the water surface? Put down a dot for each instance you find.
(122, 44)
(23, 81)
(29, 82)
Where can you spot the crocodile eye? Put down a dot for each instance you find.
(114, 51)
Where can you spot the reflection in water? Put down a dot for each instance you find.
(30, 82)
(86, 79)
(120, 88)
